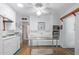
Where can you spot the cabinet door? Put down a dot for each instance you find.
(1, 29)
(18, 42)
(44, 42)
(34, 42)
(10, 46)
(1, 47)
(1, 24)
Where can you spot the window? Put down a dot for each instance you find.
(41, 26)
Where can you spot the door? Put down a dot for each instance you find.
(24, 30)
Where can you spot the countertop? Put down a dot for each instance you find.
(9, 33)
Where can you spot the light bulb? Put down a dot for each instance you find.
(20, 5)
(39, 13)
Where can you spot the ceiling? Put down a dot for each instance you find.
(30, 8)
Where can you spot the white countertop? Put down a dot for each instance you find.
(8, 33)
(8, 37)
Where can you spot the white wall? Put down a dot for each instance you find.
(56, 17)
(68, 33)
(77, 34)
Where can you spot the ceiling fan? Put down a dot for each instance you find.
(40, 8)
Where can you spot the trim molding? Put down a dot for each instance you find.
(71, 13)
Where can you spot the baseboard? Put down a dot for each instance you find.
(47, 46)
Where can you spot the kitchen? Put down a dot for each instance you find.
(35, 25)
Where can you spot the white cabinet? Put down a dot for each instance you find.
(44, 42)
(1, 45)
(11, 45)
(34, 42)
(1, 28)
(40, 41)
(1, 23)
(18, 41)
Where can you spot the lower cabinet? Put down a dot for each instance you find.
(40, 41)
(1, 50)
(11, 45)
(18, 41)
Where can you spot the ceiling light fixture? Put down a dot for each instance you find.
(20, 5)
(40, 8)
(39, 13)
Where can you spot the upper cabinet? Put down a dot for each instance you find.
(6, 11)
(9, 17)
(1, 23)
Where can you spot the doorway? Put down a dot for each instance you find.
(24, 33)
